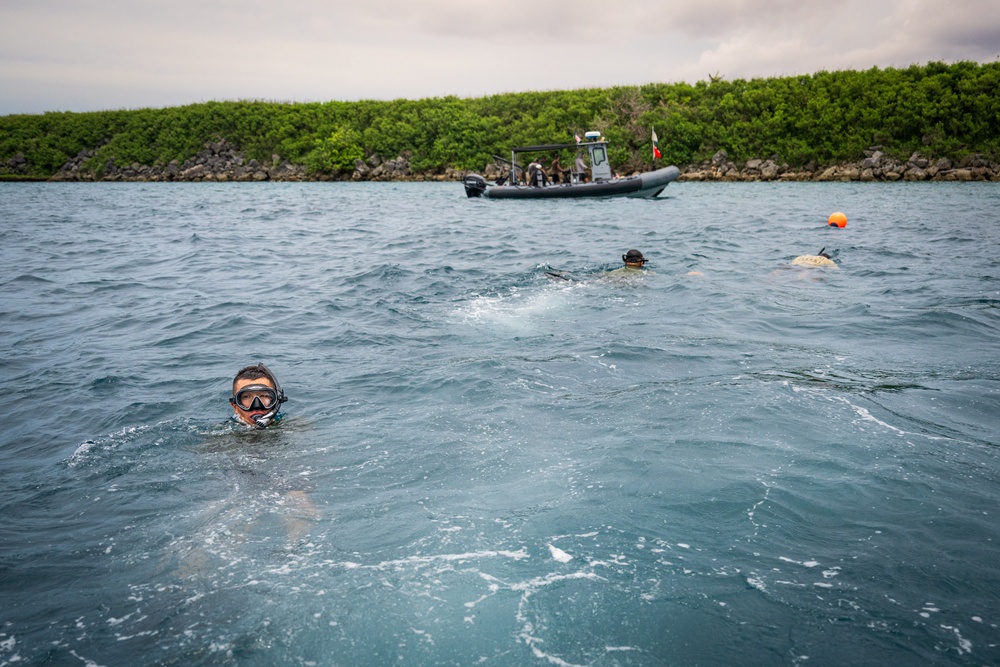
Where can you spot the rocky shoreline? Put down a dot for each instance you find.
(876, 166)
(221, 162)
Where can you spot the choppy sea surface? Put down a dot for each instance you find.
(724, 460)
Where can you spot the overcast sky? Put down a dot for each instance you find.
(58, 55)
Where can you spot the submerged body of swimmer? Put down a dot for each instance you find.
(256, 400)
(820, 259)
(257, 396)
(635, 264)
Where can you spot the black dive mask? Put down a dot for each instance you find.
(256, 397)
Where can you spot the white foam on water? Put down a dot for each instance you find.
(517, 309)
(757, 582)
(81, 453)
(559, 555)
(528, 589)
(86, 661)
(867, 416)
(964, 645)
(472, 555)
(806, 563)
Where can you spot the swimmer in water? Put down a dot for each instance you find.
(820, 259)
(634, 262)
(257, 396)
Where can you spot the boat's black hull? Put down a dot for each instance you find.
(649, 184)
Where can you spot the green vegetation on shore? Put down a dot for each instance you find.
(824, 118)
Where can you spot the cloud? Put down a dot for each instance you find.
(849, 34)
(62, 54)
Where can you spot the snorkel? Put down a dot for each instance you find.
(266, 418)
(274, 395)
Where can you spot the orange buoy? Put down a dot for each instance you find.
(837, 219)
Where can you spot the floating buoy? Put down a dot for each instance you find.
(837, 219)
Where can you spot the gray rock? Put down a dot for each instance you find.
(973, 161)
(850, 173)
(194, 172)
(919, 161)
(873, 161)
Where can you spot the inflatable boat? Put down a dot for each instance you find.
(518, 184)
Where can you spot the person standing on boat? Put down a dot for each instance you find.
(556, 170)
(536, 173)
(580, 168)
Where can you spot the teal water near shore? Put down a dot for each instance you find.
(725, 460)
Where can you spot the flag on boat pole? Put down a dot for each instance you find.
(656, 147)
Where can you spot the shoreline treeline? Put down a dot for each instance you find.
(803, 123)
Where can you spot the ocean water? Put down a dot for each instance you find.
(724, 460)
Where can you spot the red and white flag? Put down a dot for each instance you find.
(656, 147)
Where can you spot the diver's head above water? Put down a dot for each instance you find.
(634, 259)
(257, 396)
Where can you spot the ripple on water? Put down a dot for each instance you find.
(483, 463)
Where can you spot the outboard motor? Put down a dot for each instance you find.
(475, 185)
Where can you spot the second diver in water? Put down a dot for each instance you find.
(820, 259)
(634, 262)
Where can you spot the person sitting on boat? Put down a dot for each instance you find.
(257, 396)
(556, 170)
(536, 173)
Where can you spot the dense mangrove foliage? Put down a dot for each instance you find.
(944, 110)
